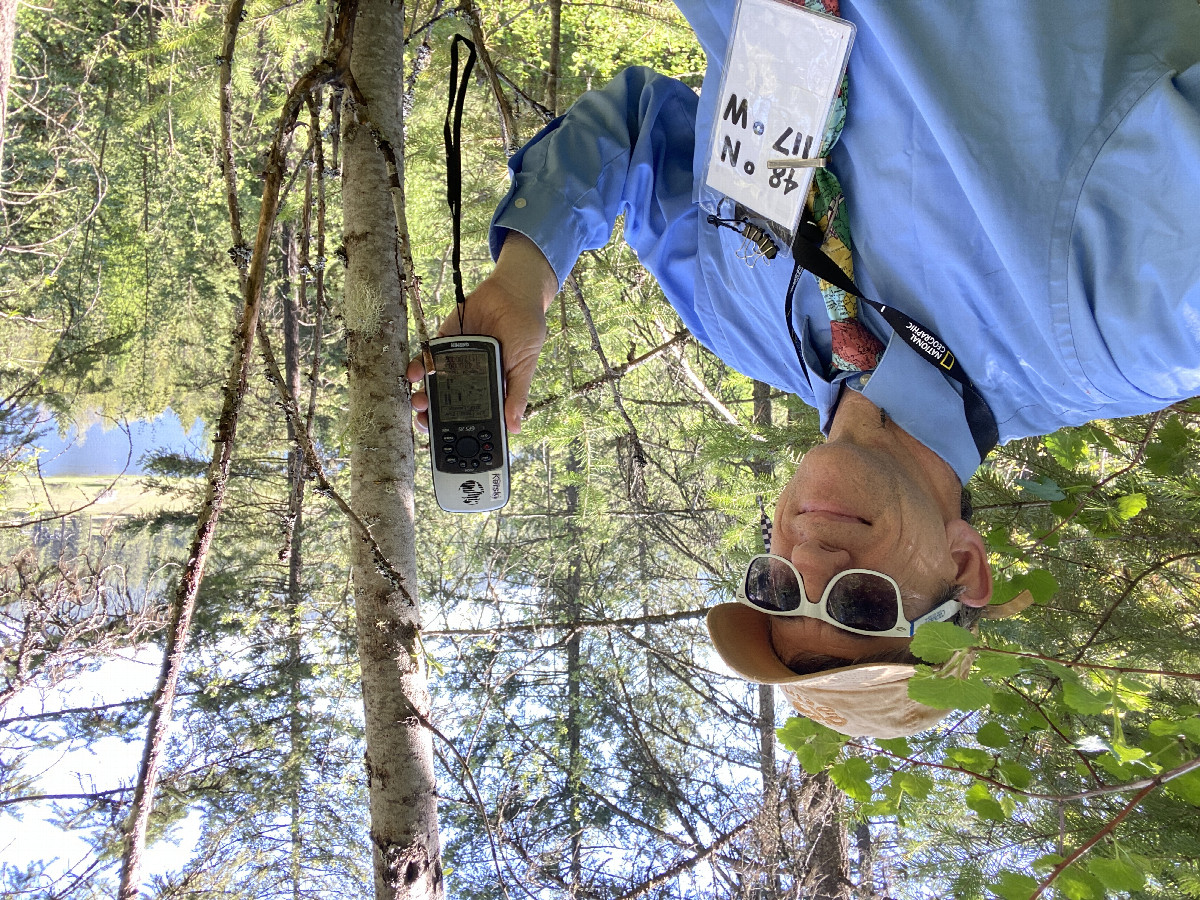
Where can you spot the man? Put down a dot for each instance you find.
(1021, 178)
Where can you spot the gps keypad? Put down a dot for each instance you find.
(466, 452)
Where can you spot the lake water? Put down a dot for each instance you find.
(105, 447)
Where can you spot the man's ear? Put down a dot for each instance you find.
(970, 556)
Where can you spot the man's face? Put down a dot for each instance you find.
(866, 503)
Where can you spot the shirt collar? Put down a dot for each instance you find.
(914, 394)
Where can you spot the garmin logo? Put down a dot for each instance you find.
(496, 486)
(471, 491)
(460, 344)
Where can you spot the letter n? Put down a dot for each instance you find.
(732, 149)
(740, 114)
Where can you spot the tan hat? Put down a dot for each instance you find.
(864, 700)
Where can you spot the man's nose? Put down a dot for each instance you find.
(817, 563)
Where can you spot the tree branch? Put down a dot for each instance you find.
(581, 626)
(612, 374)
(183, 606)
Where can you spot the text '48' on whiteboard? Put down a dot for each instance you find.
(784, 67)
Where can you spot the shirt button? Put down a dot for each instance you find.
(519, 203)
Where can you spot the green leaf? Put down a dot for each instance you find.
(998, 665)
(971, 759)
(1063, 508)
(944, 692)
(1016, 774)
(1078, 884)
(980, 799)
(1008, 703)
(914, 784)
(1096, 436)
(1189, 728)
(1042, 488)
(1038, 582)
(1083, 701)
(1068, 447)
(1045, 863)
(992, 735)
(1129, 505)
(815, 745)
(1014, 886)
(1186, 787)
(1125, 753)
(1168, 455)
(899, 745)
(999, 541)
(1115, 874)
(936, 642)
(1121, 771)
(851, 775)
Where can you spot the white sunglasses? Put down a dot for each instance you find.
(861, 601)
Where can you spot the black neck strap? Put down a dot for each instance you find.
(807, 252)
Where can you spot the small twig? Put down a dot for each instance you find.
(93, 795)
(698, 384)
(70, 512)
(508, 123)
(313, 462)
(477, 795)
(1133, 463)
(637, 475)
(1112, 607)
(614, 373)
(1162, 778)
(526, 628)
(1075, 664)
(1095, 839)
(690, 863)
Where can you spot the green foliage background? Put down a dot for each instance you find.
(589, 742)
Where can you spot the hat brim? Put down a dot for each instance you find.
(859, 699)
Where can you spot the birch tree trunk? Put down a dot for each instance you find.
(399, 754)
(8, 33)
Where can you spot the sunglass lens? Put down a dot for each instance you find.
(772, 586)
(864, 601)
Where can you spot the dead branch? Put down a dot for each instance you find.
(615, 373)
(508, 123)
(328, 69)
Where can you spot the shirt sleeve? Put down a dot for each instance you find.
(625, 149)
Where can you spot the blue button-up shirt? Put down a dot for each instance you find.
(1023, 177)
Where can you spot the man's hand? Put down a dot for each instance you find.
(509, 305)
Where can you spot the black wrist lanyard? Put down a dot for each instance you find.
(807, 252)
(452, 134)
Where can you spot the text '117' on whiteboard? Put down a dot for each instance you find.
(783, 70)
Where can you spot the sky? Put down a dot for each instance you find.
(101, 765)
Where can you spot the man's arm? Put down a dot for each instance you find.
(510, 305)
(623, 150)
